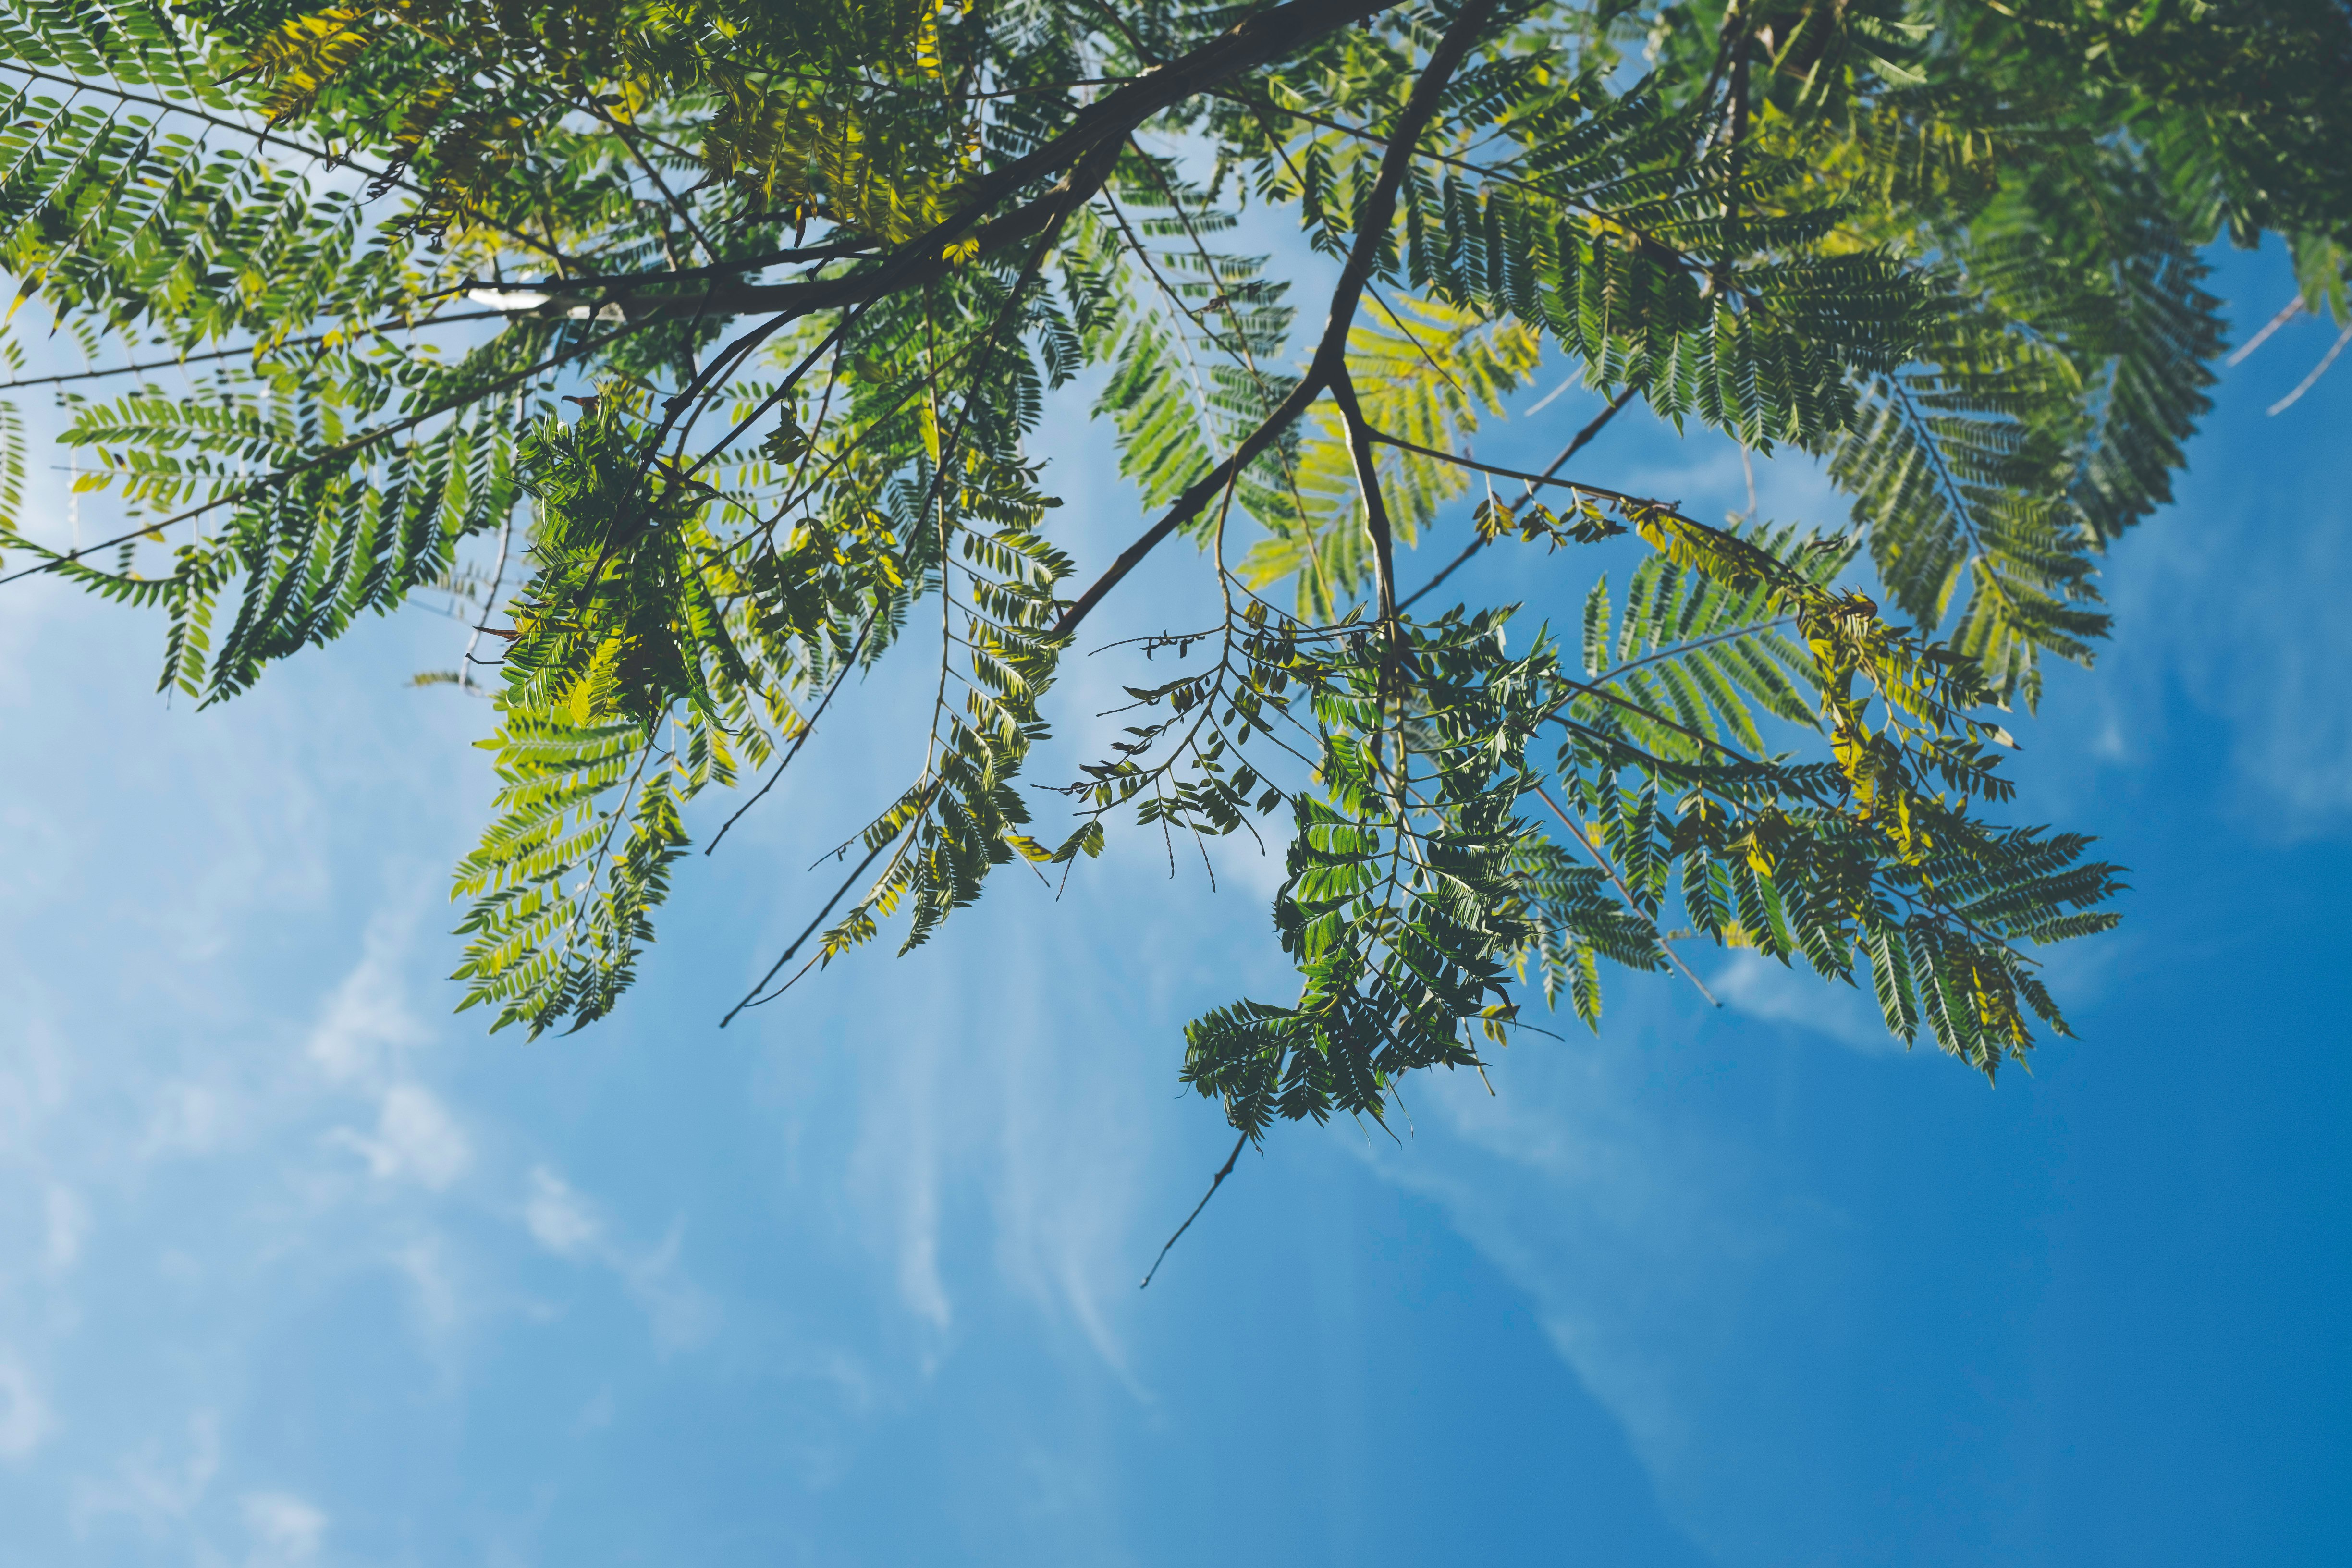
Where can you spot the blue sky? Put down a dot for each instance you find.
(297, 1268)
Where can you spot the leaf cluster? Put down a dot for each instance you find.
(698, 350)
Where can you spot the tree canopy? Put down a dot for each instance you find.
(698, 345)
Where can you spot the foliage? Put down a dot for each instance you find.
(722, 328)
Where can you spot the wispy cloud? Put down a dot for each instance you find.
(415, 1138)
(559, 1219)
(1068, 1175)
(2219, 600)
(24, 1418)
(367, 1022)
(1635, 1228)
(1779, 993)
(192, 1117)
(424, 1264)
(67, 1221)
(567, 1224)
(896, 1168)
(151, 1490)
(286, 1530)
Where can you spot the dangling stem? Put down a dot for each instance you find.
(1214, 1183)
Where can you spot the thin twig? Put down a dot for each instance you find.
(783, 389)
(1582, 438)
(1611, 871)
(685, 212)
(2309, 382)
(1214, 1183)
(848, 882)
(798, 740)
(1459, 461)
(1096, 167)
(1679, 257)
(2293, 308)
(489, 602)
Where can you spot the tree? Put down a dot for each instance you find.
(696, 345)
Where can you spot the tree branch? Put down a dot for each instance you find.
(1251, 43)
(1368, 479)
(1330, 354)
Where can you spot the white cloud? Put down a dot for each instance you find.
(151, 1491)
(681, 1315)
(368, 1018)
(189, 1118)
(415, 1138)
(285, 1529)
(564, 1222)
(67, 1221)
(926, 1294)
(2280, 684)
(24, 1418)
(1636, 1226)
(597, 1413)
(1762, 988)
(1066, 1188)
(896, 1173)
(559, 1218)
(32, 1086)
(427, 1272)
(2244, 616)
